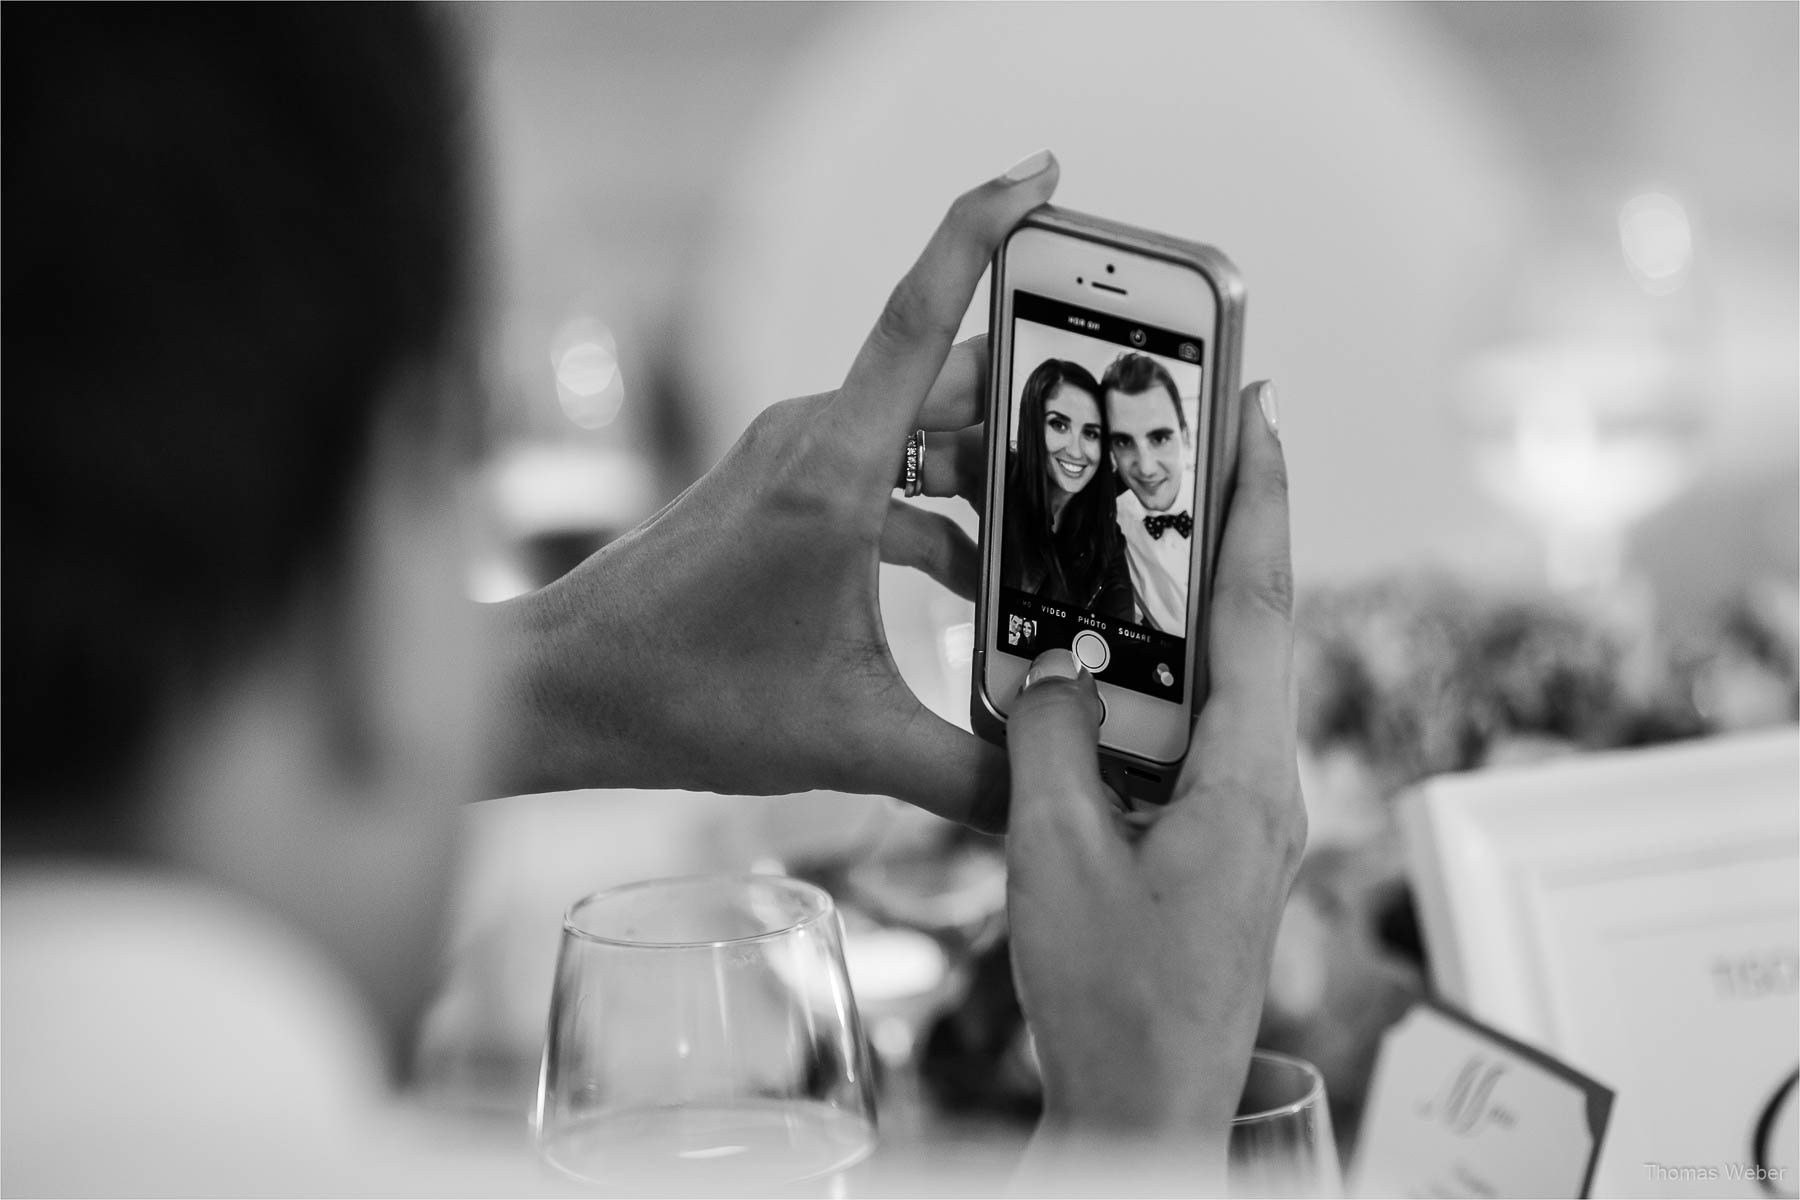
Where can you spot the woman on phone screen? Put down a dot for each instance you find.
(1062, 542)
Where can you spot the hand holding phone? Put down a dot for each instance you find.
(734, 642)
(1141, 942)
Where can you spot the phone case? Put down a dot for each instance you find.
(1137, 778)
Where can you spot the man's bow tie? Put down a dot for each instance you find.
(1182, 523)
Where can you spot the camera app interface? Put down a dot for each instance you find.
(1099, 525)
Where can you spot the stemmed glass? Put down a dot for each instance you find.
(945, 884)
(1281, 1141)
(703, 1038)
(919, 899)
(934, 899)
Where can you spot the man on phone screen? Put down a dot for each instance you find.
(1151, 452)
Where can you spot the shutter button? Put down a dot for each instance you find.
(1091, 651)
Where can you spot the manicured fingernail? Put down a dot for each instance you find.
(1271, 407)
(1029, 166)
(1052, 664)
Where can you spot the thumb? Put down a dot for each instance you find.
(1053, 744)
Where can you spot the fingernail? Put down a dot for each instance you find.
(1052, 664)
(1030, 165)
(1271, 407)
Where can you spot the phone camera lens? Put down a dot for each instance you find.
(1137, 337)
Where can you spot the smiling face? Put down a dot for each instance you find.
(1149, 447)
(1071, 438)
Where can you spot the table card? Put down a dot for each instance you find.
(1638, 915)
(1457, 1109)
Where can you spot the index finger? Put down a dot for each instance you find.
(1052, 743)
(887, 384)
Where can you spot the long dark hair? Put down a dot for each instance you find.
(257, 308)
(1071, 553)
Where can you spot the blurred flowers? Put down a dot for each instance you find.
(1422, 675)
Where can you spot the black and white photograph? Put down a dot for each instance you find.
(1103, 461)
(832, 599)
(1103, 425)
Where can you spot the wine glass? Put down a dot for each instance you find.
(938, 881)
(933, 899)
(703, 1038)
(1281, 1142)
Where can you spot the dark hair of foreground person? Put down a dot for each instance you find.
(233, 247)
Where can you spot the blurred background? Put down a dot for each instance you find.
(1528, 276)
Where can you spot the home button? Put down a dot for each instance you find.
(1091, 651)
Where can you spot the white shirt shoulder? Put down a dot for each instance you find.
(162, 1038)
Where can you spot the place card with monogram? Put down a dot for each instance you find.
(1636, 914)
(1458, 1109)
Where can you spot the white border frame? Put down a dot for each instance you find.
(1486, 848)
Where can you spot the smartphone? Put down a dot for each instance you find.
(1111, 436)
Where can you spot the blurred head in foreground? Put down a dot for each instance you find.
(235, 285)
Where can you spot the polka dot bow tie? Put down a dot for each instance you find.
(1182, 523)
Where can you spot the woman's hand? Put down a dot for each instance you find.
(1141, 943)
(734, 643)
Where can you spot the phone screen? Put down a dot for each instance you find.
(1100, 524)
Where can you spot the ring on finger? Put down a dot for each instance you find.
(912, 470)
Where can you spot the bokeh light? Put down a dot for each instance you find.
(1658, 241)
(589, 385)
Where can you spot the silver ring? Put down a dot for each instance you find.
(912, 475)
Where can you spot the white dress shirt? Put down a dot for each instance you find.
(1159, 566)
(161, 1038)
